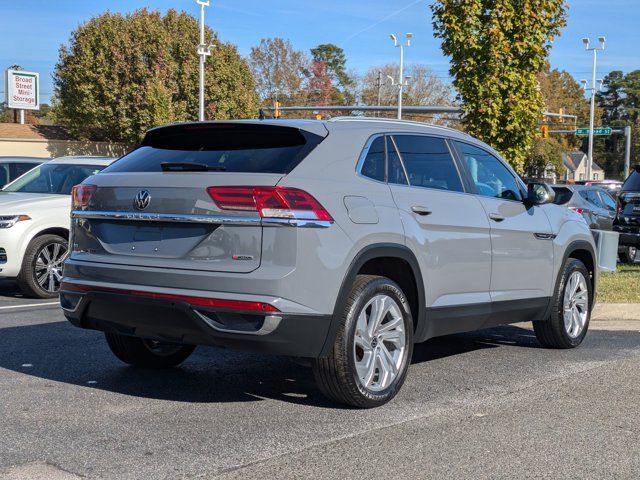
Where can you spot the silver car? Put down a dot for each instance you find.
(343, 241)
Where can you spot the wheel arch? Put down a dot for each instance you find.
(372, 260)
(583, 250)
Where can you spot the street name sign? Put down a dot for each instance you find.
(583, 132)
(23, 90)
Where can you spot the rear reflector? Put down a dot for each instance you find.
(270, 202)
(81, 194)
(577, 210)
(240, 305)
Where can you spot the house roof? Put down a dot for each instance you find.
(572, 161)
(34, 132)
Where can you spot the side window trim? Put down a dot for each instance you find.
(516, 178)
(365, 153)
(404, 169)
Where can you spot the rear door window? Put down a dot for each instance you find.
(428, 162)
(229, 147)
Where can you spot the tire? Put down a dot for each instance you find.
(555, 332)
(144, 353)
(41, 269)
(354, 371)
(628, 254)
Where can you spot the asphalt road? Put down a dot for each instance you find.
(489, 404)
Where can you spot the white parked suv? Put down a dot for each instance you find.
(34, 222)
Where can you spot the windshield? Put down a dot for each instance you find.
(55, 178)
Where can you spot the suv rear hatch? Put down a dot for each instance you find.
(160, 205)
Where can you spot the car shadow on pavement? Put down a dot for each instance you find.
(9, 289)
(62, 353)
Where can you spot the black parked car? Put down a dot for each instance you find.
(627, 221)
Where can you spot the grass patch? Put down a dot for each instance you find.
(622, 286)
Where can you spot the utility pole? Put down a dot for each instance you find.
(593, 89)
(379, 90)
(402, 81)
(203, 51)
(627, 150)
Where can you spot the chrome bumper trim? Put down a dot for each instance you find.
(192, 218)
(271, 322)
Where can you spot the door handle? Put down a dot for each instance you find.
(496, 217)
(420, 210)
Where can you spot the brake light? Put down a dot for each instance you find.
(81, 195)
(270, 202)
(577, 210)
(240, 305)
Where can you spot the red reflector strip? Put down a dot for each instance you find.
(194, 301)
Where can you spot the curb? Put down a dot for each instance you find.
(616, 311)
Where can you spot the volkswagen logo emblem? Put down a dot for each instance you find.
(142, 199)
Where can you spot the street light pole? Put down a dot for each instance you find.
(592, 112)
(203, 51)
(401, 80)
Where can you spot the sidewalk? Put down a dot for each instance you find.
(616, 316)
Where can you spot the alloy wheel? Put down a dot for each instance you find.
(48, 266)
(380, 343)
(575, 304)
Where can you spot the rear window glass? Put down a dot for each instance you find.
(224, 147)
(632, 183)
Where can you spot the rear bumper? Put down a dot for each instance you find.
(177, 321)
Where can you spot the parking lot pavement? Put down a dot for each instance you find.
(488, 404)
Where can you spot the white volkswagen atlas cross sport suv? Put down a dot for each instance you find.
(34, 222)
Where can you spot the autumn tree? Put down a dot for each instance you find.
(280, 71)
(424, 88)
(496, 48)
(122, 74)
(335, 61)
(320, 87)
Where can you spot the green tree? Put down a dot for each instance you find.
(619, 104)
(122, 74)
(496, 48)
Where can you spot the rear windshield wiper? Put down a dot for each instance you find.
(190, 167)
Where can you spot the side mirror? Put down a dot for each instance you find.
(540, 194)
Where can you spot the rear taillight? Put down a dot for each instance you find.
(577, 210)
(81, 194)
(270, 202)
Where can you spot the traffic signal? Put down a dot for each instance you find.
(545, 131)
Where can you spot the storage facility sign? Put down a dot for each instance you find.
(23, 90)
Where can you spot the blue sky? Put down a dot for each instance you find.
(32, 30)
